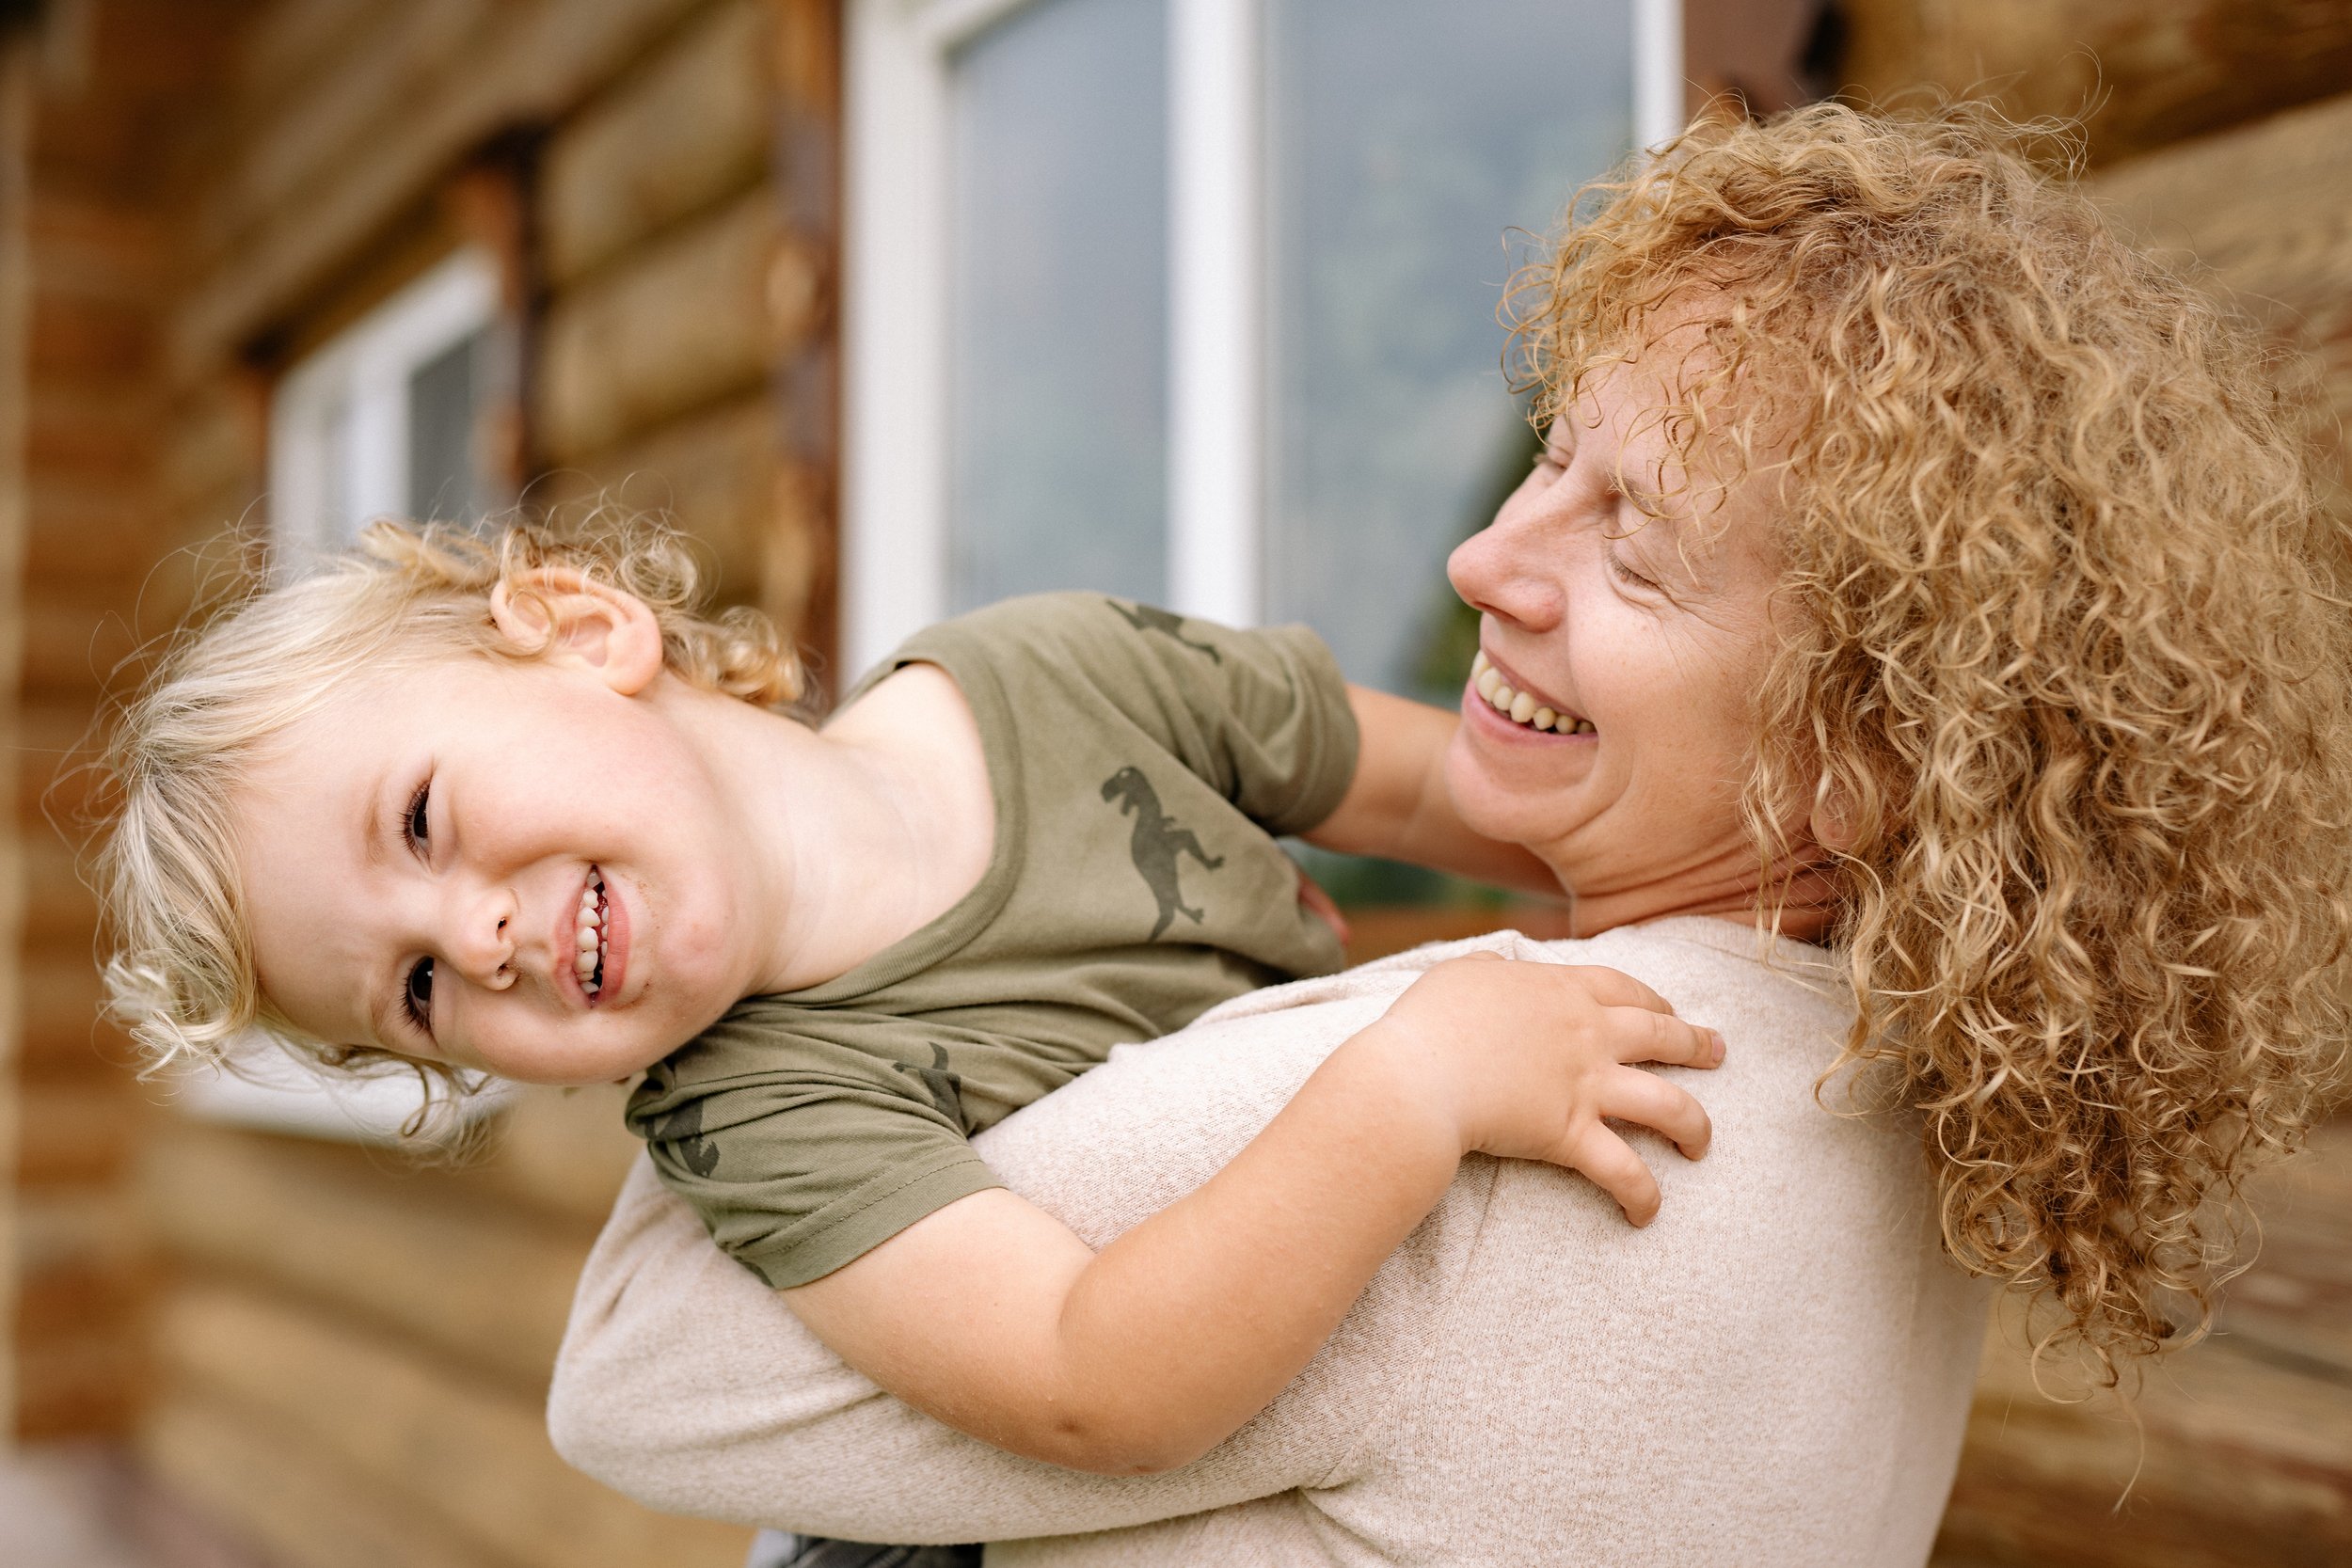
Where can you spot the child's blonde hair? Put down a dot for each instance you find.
(180, 975)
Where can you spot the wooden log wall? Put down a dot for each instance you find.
(2142, 73)
(88, 102)
(341, 1358)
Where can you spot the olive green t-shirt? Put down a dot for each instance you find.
(1142, 765)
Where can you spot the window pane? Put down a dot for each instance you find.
(1406, 139)
(444, 476)
(1058, 394)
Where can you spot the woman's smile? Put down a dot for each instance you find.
(1503, 695)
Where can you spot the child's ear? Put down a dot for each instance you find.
(568, 616)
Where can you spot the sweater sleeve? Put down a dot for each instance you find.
(685, 1384)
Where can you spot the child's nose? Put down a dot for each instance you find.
(485, 950)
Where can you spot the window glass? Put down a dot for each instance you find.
(1059, 261)
(1404, 141)
(444, 409)
(385, 417)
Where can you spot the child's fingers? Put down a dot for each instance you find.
(1612, 1165)
(1649, 1100)
(1614, 987)
(1641, 1036)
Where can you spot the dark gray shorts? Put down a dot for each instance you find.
(775, 1549)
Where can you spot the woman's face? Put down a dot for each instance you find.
(1647, 635)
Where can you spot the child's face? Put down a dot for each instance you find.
(1654, 631)
(417, 854)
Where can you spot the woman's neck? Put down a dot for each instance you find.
(1805, 902)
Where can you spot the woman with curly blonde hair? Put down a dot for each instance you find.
(1919, 653)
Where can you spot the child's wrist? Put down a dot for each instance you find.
(1414, 1080)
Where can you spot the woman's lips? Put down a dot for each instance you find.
(1505, 698)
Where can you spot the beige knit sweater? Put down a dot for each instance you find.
(1773, 1376)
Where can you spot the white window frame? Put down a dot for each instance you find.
(894, 328)
(352, 392)
(353, 388)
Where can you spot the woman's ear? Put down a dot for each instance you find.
(564, 614)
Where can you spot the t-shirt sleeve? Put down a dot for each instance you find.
(1263, 714)
(801, 1154)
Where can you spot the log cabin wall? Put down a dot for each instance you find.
(338, 1356)
(87, 106)
(341, 1357)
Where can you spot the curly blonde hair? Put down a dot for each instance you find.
(2067, 654)
(180, 975)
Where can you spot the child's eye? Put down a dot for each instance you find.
(416, 996)
(414, 824)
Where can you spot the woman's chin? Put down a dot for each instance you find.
(1512, 803)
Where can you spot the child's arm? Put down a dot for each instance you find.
(997, 1320)
(1397, 806)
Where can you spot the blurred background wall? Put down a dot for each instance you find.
(896, 305)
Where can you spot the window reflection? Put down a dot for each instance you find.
(1405, 139)
(1059, 402)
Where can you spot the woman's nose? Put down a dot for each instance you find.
(1497, 574)
(484, 950)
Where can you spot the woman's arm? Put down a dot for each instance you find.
(1397, 806)
(997, 1320)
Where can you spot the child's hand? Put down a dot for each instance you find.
(1526, 1059)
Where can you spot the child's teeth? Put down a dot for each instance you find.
(1487, 682)
(588, 985)
(1522, 708)
(1544, 716)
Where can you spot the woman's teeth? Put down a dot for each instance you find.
(588, 963)
(1519, 706)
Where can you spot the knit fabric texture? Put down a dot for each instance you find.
(1775, 1372)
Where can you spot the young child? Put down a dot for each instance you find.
(512, 806)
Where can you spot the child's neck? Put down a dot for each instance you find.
(872, 828)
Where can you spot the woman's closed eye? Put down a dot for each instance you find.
(1624, 574)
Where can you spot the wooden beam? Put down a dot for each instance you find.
(800, 579)
(541, 60)
(78, 1132)
(565, 1152)
(686, 129)
(683, 323)
(395, 56)
(2144, 73)
(2258, 213)
(295, 1502)
(2262, 1403)
(484, 1283)
(2259, 209)
(477, 1459)
(712, 473)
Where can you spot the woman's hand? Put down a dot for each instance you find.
(1530, 1061)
